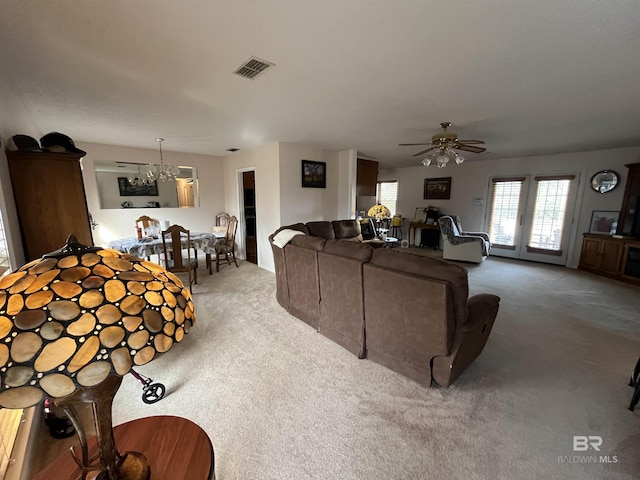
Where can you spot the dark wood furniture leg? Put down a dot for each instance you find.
(635, 382)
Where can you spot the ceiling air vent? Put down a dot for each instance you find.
(252, 68)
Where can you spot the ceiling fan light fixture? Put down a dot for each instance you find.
(426, 161)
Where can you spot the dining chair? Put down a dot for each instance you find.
(174, 253)
(225, 247)
(145, 222)
(222, 219)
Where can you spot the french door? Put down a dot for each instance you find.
(530, 217)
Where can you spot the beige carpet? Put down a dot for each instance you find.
(280, 401)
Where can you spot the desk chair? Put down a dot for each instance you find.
(397, 223)
(174, 260)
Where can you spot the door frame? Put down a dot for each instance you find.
(526, 212)
(242, 226)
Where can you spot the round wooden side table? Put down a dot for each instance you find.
(176, 449)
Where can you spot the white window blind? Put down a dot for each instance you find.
(549, 212)
(503, 216)
(387, 195)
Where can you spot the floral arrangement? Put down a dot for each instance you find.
(379, 211)
(432, 212)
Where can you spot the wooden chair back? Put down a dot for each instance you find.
(145, 221)
(174, 252)
(222, 219)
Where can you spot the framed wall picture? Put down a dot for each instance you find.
(437, 188)
(602, 221)
(128, 190)
(421, 215)
(314, 174)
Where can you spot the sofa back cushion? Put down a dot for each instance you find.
(355, 250)
(309, 242)
(321, 229)
(434, 268)
(346, 228)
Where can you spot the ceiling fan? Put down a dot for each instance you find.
(445, 143)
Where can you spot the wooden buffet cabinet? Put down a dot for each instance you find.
(50, 200)
(606, 255)
(618, 257)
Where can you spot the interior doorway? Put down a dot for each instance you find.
(249, 203)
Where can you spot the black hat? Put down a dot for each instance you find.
(23, 143)
(59, 143)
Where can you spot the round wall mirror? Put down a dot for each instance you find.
(604, 181)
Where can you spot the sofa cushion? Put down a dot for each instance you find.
(321, 229)
(308, 241)
(435, 268)
(283, 237)
(346, 228)
(355, 250)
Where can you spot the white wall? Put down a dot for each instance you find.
(348, 168)
(471, 179)
(280, 198)
(118, 223)
(299, 204)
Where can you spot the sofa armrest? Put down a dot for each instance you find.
(483, 309)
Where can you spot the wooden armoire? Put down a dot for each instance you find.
(50, 200)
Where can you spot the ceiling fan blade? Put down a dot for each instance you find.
(469, 148)
(412, 144)
(470, 141)
(423, 152)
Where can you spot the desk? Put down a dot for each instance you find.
(146, 248)
(434, 228)
(176, 449)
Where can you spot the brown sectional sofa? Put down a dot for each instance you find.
(407, 312)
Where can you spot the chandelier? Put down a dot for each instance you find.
(139, 181)
(442, 156)
(162, 172)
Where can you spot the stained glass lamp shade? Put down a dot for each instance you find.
(75, 321)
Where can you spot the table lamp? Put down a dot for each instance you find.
(379, 211)
(72, 324)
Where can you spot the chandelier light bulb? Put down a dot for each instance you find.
(162, 172)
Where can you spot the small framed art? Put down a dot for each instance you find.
(437, 188)
(602, 221)
(314, 174)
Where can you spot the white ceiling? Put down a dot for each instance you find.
(528, 77)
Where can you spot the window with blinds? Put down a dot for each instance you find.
(503, 217)
(549, 212)
(387, 195)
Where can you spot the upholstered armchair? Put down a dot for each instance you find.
(458, 224)
(458, 246)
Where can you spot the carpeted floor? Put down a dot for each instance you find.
(280, 401)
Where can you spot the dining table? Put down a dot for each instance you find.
(147, 246)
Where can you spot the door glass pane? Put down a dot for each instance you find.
(549, 214)
(503, 219)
